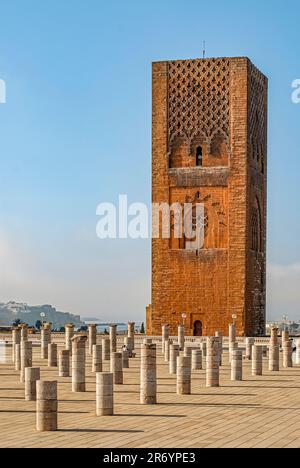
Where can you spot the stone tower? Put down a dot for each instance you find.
(210, 147)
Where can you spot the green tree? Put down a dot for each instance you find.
(17, 322)
(143, 329)
(38, 324)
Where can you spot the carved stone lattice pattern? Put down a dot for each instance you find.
(199, 101)
(258, 151)
(258, 114)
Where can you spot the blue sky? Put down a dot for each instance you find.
(76, 131)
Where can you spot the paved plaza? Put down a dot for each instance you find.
(258, 412)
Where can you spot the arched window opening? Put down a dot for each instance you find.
(199, 156)
(198, 328)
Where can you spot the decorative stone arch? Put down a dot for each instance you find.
(220, 133)
(219, 148)
(179, 152)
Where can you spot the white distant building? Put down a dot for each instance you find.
(292, 327)
(12, 311)
(16, 307)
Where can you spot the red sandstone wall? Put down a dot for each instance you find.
(213, 283)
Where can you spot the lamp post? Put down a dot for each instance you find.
(285, 319)
(42, 315)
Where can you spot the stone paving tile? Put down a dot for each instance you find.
(258, 412)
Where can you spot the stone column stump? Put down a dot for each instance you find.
(249, 343)
(174, 353)
(204, 349)
(68, 337)
(78, 363)
(26, 358)
(104, 394)
(92, 337)
(52, 355)
(196, 359)
(18, 357)
(181, 338)
(237, 365)
(233, 346)
(287, 354)
(131, 327)
(232, 333)
(285, 336)
(183, 375)
(32, 375)
(213, 363)
(64, 363)
(45, 340)
(116, 368)
(105, 349)
(219, 335)
(148, 375)
(97, 359)
(113, 338)
(24, 332)
(274, 337)
(16, 339)
(274, 353)
(46, 406)
(165, 333)
(257, 360)
(168, 343)
(125, 359)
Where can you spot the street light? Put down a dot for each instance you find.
(285, 319)
(42, 315)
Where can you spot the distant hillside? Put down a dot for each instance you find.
(12, 311)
